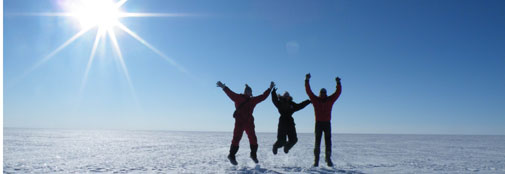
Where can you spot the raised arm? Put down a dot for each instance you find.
(307, 87)
(301, 105)
(233, 96)
(337, 92)
(275, 99)
(264, 96)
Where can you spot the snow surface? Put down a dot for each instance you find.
(93, 151)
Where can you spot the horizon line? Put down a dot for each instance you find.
(231, 131)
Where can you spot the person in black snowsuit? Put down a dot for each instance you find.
(286, 108)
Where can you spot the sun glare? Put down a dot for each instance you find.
(101, 13)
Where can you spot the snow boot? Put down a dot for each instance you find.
(231, 156)
(274, 149)
(328, 159)
(316, 157)
(254, 149)
(286, 149)
(290, 144)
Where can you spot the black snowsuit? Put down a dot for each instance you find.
(286, 122)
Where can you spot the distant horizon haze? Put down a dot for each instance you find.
(231, 131)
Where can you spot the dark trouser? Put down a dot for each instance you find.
(323, 126)
(286, 128)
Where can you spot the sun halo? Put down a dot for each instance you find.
(104, 14)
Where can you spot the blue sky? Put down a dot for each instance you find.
(424, 67)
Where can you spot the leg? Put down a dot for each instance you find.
(327, 141)
(317, 144)
(251, 134)
(281, 138)
(237, 135)
(254, 149)
(253, 142)
(292, 138)
(231, 156)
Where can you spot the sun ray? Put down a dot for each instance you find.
(120, 3)
(134, 35)
(65, 44)
(99, 34)
(121, 15)
(43, 14)
(118, 52)
(105, 16)
(125, 15)
(50, 55)
(112, 36)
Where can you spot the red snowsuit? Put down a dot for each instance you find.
(245, 120)
(322, 107)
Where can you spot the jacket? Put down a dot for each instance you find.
(247, 109)
(323, 106)
(287, 108)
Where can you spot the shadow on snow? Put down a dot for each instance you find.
(259, 169)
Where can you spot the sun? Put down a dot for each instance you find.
(104, 14)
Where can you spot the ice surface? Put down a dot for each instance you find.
(88, 151)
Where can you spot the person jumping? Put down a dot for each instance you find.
(322, 108)
(286, 127)
(244, 120)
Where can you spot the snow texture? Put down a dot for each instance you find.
(96, 151)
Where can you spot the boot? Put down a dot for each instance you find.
(286, 148)
(254, 149)
(231, 156)
(316, 157)
(274, 149)
(290, 144)
(328, 159)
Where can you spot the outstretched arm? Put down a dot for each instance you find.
(337, 92)
(265, 94)
(307, 87)
(233, 96)
(301, 105)
(275, 99)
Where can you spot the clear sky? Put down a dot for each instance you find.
(417, 66)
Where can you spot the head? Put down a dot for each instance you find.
(322, 93)
(247, 90)
(287, 96)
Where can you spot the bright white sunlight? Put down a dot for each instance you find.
(102, 13)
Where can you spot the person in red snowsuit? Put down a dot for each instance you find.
(244, 120)
(322, 108)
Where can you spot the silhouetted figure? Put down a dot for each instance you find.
(322, 108)
(244, 120)
(286, 108)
